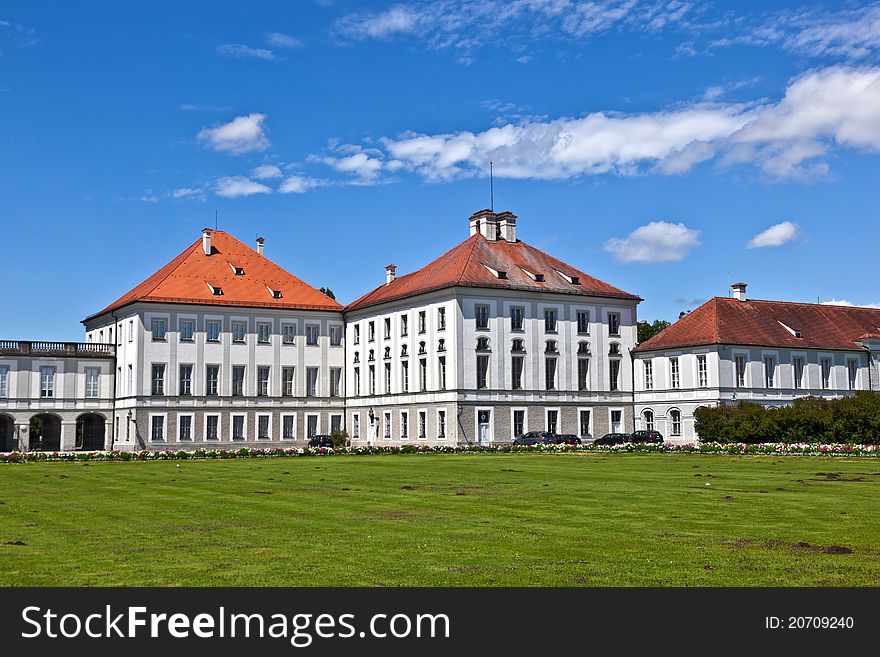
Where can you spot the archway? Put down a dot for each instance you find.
(45, 433)
(7, 434)
(90, 432)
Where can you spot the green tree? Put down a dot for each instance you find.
(647, 331)
(328, 292)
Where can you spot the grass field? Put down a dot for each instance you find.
(520, 519)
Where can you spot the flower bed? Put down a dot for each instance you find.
(768, 449)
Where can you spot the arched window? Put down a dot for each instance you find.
(357, 357)
(584, 348)
(404, 351)
(441, 345)
(518, 345)
(482, 343)
(387, 352)
(649, 419)
(675, 422)
(371, 355)
(614, 349)
(422, 349)
(551, 347)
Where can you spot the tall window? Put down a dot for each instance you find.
(519, 423)
(550, 320)
(614, 374)
(264, 332)
(423, 374)
(131, 330)
(740, 371)
(675, 381)
(675, 418)
(160, 326)
(769, 371)
(404, 376)
(288, 333)
(552, 421)
(826, 373)
(649, 420)
(441, 423)
(238, 427)
(423, 424)
(516, 372)
(335, 380)
(212, 380)
(852, 369)
(387, 426)
(387, 378)
(583, 373)
(649, 375)
(158, 379)
(47, 382)
(798, 366)
(311, 426)
(212, 330)
(371, 331)
(387, 325)
(550, 373)
(91, 382)
(4, 381)
(288, 427)
(482, 315)
(357, 333)
(583, 321)
(212, 427)
(356, 426)
(184, 384)
(130, 381)
(372, 379)
(482, 372)
(187, 328)
(237, 380)
(441, 319)
(157, 429)
(312, 331)
(335, 336)
(184, 428)
(238, 331)
(422, 322)
(404, 425)
(441, 371)
(584, 423)
(702, 372)
(312, 381)
(613, 323)
(404, 325)
(517, 313)
(287, 374)
(263, 381)
(357, 380)
(263, 427)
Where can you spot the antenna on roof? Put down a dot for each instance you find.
(491, 188)
(215, 220)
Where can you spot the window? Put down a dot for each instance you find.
(441, 423)
(357, 380)
(481, 313)
(516, 372)
(583, 321)
(238, 427)
(798, 366)
(649, 375)
(769, 371)
(335, 380)
(404, 376)
(422, 322)
(372, 379)
(357, 357)
(423, 374)
(519, 423)
(212, 427)
(263, 427)
(287, 374)
(158, 379)
(649, 420)
(187, 327)
(335, 336)
(387, 426)
(131, 330)
(387, 324)
(826, 373)
(441, 372)
(583, 373)
(441, 319)
(371, 331)
(130, 387)
(517, 314)
(91, 382)
(518, 345)
(184, 384)
(675, 418)
(616, 421)
(311, 426)
(852, 369)
(702, 372)
(264, 330)
(583, 348)
(312, 331)
(422, 348)
(212, 380)
(614, 349)
(740, 371)
(550, 373)
(4, 381)
(184, 427)
(404, 325)
(237, 380)
(584, 423)
(404, 350)
(482, 372)
(288, 427)
(159, 328)
(357, 334)
(482, 343)
(675, 382)
(356, 426)
(212, 328)
(613, 323)
(371, 356)
(550, 320)
(263, 381)
(552, 421)
(423, 424)
(404, 425)
(238, 331)
(47, 382)
(614, 374)
(311, 381)
(157, 428)
(335, 423)
(550, 347)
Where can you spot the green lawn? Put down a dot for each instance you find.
(463, 520)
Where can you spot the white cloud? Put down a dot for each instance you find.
(658, 241)
(188, 192)
(853, 33)
(244, 134)
(381, 25)
(297, 184)
(360, 164)
(776, 235)
(235, 186)
(266, 172)
(846, 302)
(245, 52)
(280, 40)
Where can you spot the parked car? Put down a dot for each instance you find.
(647, 436)
(535, 438)
(321, 440)
(613, 439)
(568, 439)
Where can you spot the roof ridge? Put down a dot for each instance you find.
(477, 237)
(803, 303)
(184, 256)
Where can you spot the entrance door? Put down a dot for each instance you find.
(484, 428)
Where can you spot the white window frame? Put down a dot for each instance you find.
(258, 391)
(356, 425)
(653, 419)
(702, 373)
(513, 409)
(219, 322)
(592, 416)
(675, 373)
(192, 323)
(669, 412)
(648, 373)
(745, 378)
(830, 359)
(336, 329)
(317, 424)
(421, 413)
(267, 325)
(312, 327)
(219, 417)
(612, 409)
(852, 382)
(771, 379)
(491, 410)
(437, 425)
(802, 382)
(96, 393)
(387, 425)
(235, 324)
(164, 417)
(4, 381)
(49, 389)
(288, 329)
(547, 412)
(341, 417)
(180, 379)
(281, 435)
(192, 427)
(257, 417)
(154, 321)
(403, 425)
(244, 427)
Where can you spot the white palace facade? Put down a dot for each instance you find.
(223, 348)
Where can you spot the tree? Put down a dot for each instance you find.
(328, 292)
(647, 331)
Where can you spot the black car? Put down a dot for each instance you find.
(647, 436)
(613, 439)
(321, 440)
(535, 438)
(568, 439)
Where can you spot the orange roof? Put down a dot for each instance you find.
(191, 275)
(469, 263)
(725, 320)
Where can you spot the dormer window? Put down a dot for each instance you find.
(499, 274)
(614, 349)
(482, 343)
(518, 345)
(794, 332)
(538, 278)
(574, 280)
(216, 291)
(551, 347)
(276, 294)
(238, 271)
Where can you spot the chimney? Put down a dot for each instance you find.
(507, 225)
(739, 291)
(206, 241)
(390, 274)
(260, 241)
(485, 222)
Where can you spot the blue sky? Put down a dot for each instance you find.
(665, 147)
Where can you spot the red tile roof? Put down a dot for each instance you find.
(187, 278)
(466, 265)
(724, 320)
